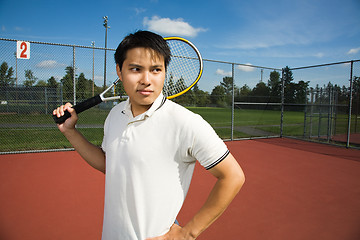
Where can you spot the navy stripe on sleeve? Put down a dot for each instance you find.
(218, 161)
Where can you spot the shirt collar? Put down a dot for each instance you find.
(159, 101)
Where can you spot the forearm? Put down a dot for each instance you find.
(219, 198)
(92, 154)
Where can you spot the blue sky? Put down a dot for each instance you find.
(275, 33)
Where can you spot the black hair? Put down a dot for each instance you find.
(143, 39)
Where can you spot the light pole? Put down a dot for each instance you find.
(106, 28)
(16, 69)
(93, 83)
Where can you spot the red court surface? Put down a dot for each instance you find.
(354, 138)
(294, 190)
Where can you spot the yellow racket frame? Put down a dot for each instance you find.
(200, 70)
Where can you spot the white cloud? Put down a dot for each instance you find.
(171, 26)
(319, 55)
(353, 51)
(49, 64)
(221, 72)
(245, 68)
(139, 10)
(99, 78)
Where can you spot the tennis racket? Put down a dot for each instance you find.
(183, 72)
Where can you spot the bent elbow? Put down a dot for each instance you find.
(239, 179)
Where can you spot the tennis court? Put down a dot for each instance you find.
(294, 190)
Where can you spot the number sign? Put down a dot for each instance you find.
(23, 50)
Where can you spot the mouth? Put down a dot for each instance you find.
(145, 92)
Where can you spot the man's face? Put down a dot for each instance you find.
(143, 76)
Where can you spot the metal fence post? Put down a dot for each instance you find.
(350, 105)
(336, 101)
(74, 81)
(282, 102)
(320, 96)
(233, 102)
(311, 113)
(305, 113)
(61, 94)
(329, 114)
(93, 68)
(46, 100)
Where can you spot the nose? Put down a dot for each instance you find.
(145, 79)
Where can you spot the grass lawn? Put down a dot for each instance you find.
(38, 131)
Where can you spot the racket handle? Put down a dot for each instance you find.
(80, 107)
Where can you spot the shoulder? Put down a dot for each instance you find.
(116, 113)
(184, 117)
(180, 114)
(176, 109)
(118, 108)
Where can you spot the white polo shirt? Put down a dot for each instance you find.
(150, 160)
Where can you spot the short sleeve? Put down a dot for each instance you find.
(106, 126)
(207, 147)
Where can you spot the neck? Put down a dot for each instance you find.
(136, 111)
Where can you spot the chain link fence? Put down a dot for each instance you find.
(240, 101)
(331, 107)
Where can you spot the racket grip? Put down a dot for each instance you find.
(89, 103)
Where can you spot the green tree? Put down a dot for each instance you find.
(356, 96)
(30, 79)
(201, 98)
(180, 84)
(344, 95)
(169, 86)
(274, 85)
(260, 92)
(301, 92)
(356, 85)
(41, 83)
(67, 83)
(193, 97)
(227, 84)
(186, 99)
(217, 96)
(245, 91)
(119, 89)
(83, 87)
(289, 86)
(51, 82)
(6, 73)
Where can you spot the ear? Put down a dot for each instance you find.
(118, 71)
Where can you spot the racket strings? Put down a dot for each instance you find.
(183, 70)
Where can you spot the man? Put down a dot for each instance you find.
(149, 151)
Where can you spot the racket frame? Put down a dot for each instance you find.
(104, 99)
(201, 65)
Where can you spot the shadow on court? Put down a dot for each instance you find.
(294, 190)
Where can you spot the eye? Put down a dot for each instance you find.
(157, 70)
(135, 69)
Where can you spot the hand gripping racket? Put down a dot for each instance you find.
(183, 72)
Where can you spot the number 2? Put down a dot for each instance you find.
(23, 47)
(23, 50)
